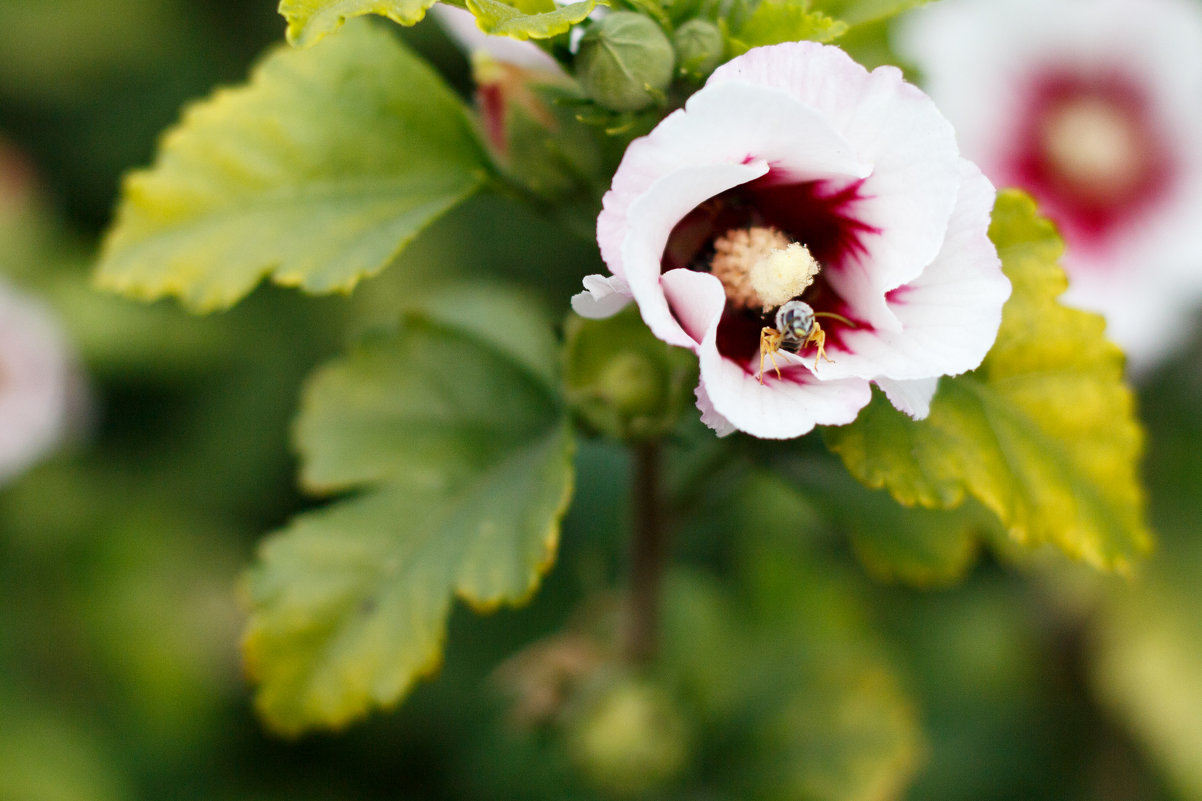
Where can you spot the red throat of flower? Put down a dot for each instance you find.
(818, 215)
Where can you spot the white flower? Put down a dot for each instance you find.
(39, 386)
(1094, 106)
(798, 144)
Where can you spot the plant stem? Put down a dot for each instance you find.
(648, 556)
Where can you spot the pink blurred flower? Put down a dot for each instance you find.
(1095, 107)
(504, 70)
(39, 384)
(800, 143)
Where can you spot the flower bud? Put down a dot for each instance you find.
(630, 738)
(699, 48)
(623, 382)
(625, 61)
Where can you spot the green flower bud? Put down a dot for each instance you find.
(629, 739)
(699, 48)
(623, 382)
(625, 61)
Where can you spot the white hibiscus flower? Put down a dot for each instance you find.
(795, 175)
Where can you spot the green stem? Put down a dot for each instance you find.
(648, 557)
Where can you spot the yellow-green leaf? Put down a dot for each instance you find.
(859, 12)
(461, 459)
(776, 21)
(1043, 433)
(310, 20)
(503, 19)
(317, 173)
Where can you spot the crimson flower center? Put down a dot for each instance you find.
(1089, 148)
(820, 215)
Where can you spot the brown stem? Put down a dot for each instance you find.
(648, 556)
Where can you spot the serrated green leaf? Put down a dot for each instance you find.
(776, 21)
(1043, 433)
(317, 173)
(310, 20)
(503, 19)
(462, 459)
(859, 12)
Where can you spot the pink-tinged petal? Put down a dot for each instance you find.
(641, 240)
(891, 125)
(603, 296)
(779, 408)
(696, 300)
(911, 397)
(950, 314)
(721, 426)
(38, 383)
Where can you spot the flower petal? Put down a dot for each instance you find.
(721, 426)
(910, 397)
(950, 314)
(648, 220)
(779, 408)
(603, 296)
(39, 387)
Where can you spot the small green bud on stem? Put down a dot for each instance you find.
(625, 61)
(699, 48)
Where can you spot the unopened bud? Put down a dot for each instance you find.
(625, 61)
(699, 48)
(623, 382)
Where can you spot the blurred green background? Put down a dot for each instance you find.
(120, 555)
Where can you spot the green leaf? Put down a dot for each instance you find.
(1043, 433)
(776, 21)
(310, 20)
(317, 173)
(859, 12)
(461, 456)
(503, 19)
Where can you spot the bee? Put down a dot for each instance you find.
(796, 328)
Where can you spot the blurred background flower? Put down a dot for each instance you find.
(1093, 106)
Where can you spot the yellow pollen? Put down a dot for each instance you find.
(761, 268)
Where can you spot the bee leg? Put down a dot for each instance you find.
(770, 340)
(818, 337)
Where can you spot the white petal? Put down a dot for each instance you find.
(603, 296)
(911, 397)
(950, 314)
(779, 408)
(721, 426)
